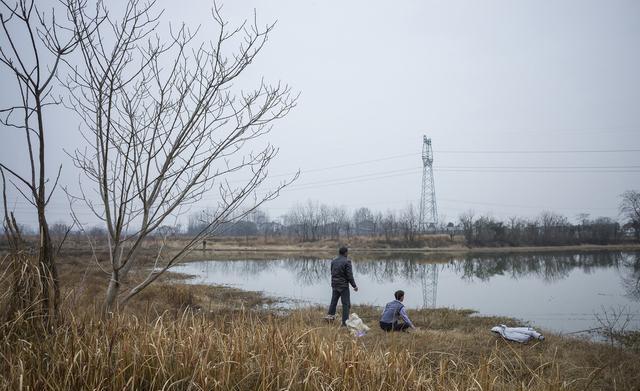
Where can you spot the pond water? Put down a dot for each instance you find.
(556, 291)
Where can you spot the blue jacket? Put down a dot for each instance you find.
(394, 310)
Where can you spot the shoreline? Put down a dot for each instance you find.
(203, 328)
(292, 249)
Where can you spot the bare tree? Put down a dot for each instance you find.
(346, 225)
(163, 128)
(340, 222)
(363, 221)
(630, 209)
(389, 225)
(409, 223)
(613, 323)
(165, 231)
(377, 223)
(516, 227)
(311, 219)
(325, 220)
(261, 220)
(33, 46)
(294, 222)
(554, 227)
(466, 220)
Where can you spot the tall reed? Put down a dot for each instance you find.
(240, 350)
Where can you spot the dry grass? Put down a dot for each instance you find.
(183, 337)
(360, 242)
(243, 350)
(363, 245)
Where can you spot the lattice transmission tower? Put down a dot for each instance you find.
(428, 209)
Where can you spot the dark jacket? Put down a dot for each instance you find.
(341, 273)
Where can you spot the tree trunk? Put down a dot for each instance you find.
(47, 268)
(113, 289)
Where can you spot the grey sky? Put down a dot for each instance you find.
(474, 76)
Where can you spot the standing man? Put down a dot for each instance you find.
(341, 277)
(393, 311)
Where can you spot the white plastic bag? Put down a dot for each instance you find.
(517, 334)
(356, 325)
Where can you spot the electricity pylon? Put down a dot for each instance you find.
(428, 210)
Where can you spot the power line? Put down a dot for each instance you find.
(609, 129)
(414, 170)
(458, 201)
(484, 168)
(462, 169)
(548, 151)
(542, 167)
(370, 177)
(303, 171)
(499, 169)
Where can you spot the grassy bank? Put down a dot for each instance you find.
(429, 245)
(201, 338)
(193, 337)
(425, 244)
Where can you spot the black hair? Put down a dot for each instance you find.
(343, 250)
(399, 294)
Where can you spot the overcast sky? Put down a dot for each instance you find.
(480, 78)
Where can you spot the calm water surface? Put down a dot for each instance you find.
(557, 291)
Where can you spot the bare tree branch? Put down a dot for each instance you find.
(33, 45)
(163, 127)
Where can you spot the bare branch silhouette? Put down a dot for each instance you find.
(164, 129)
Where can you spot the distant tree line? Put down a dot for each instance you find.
(313, 221)
(548, 229)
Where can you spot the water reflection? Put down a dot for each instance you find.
(631, 279)
(308, 270)
(558, 290)
(552, 267)
(549, 267)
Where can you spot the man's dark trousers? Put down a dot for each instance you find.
(344, 296)
(393, 326)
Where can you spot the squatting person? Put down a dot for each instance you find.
(341, 278)
(393, 311)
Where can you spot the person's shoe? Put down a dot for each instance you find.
(329, 318)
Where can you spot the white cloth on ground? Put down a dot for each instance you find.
(517, 334)
(356, 325)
